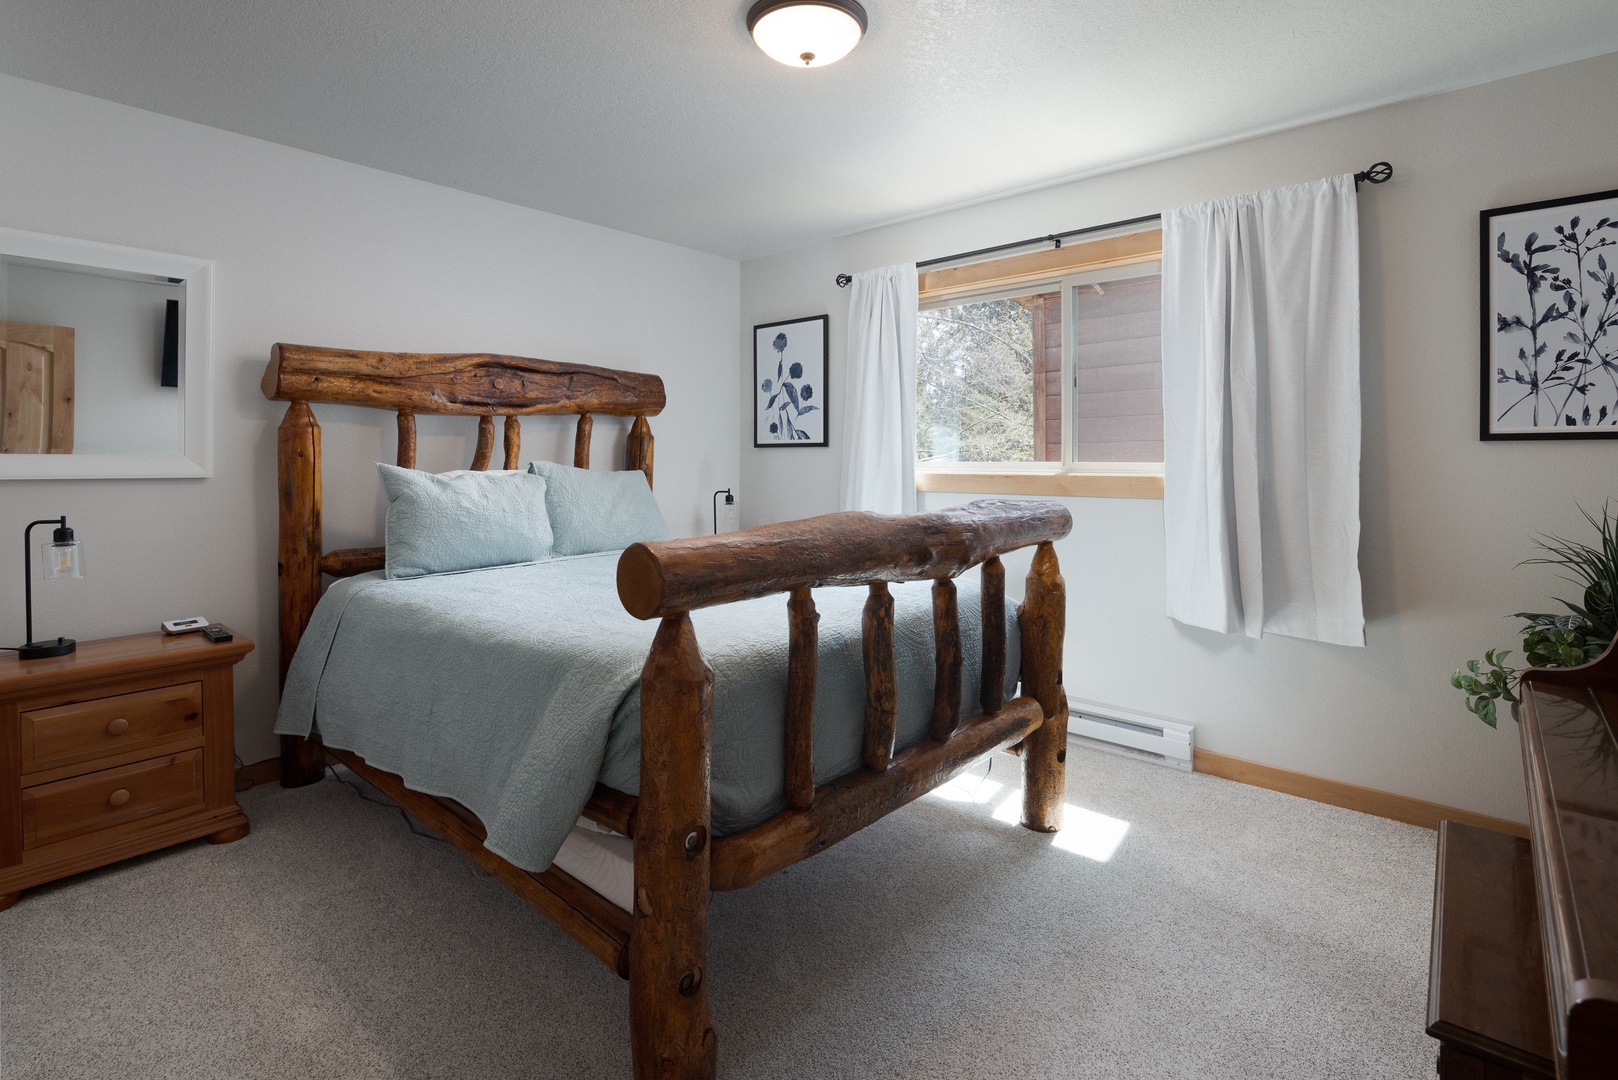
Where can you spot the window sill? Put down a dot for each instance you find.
(1081, 484)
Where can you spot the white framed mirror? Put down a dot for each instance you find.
(106, 356)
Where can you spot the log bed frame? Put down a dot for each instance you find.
(661, 948)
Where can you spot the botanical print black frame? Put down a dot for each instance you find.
(789, 382)
(1549, 330)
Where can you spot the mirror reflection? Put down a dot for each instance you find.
(92, 360)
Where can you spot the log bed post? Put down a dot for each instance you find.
(303, 761)
(1042, 620)
(671, 1028)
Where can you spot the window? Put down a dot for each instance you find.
(1043, 372)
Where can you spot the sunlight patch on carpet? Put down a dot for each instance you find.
(1084, 832)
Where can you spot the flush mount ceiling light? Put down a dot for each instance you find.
(806, 33)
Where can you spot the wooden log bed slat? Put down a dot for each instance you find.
(512, 444)
(993, 603)
(881, 689)
(802, 659)
(848, 804)
(406, 456)
(946, 661)
(581, 441)
(661, 946)
(485, 448)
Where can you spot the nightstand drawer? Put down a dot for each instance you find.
(86, 730)
(100, 800)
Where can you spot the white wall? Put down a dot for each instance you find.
(316, 251)
(1445, 516)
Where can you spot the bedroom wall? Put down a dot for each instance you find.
(1445, 516)
(313, 250)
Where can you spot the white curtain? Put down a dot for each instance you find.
(1261, 413)
(879, 404)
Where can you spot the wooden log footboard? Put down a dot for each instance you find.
(661, 946)
(677, 861)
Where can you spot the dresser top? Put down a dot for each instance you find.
(118, 656)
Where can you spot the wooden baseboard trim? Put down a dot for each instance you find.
(267, 771)
(1349, 796)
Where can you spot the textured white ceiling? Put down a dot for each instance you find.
(661, 118)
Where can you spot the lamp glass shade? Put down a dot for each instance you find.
(807, 34)
(61, 560)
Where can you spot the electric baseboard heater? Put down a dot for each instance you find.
(1132, 734)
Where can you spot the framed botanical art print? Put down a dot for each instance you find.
(1550, 319)
(789, 382)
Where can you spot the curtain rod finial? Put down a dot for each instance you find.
(843, 280)
(1380, 173)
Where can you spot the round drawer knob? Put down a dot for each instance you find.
(118, 798)
(118, 726)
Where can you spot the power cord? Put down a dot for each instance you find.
(382, 800)
(410, 822)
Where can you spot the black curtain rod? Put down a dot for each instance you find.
(1380, 173)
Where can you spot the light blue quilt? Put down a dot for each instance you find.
(514, 689)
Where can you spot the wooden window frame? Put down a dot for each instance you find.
(1059, 270)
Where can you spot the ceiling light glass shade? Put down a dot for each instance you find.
(806, 33)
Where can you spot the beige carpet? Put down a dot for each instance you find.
(1233, 932)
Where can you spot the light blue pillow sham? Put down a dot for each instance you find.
(440, 523)
(599, 511)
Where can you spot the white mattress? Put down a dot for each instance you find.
(602, 860)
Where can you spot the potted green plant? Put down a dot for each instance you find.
(1555, 640)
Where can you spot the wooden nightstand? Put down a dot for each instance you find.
(120, 748)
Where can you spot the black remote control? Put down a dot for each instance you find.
(217, 634)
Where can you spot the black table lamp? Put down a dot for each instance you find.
(729, 518)
(60, 559)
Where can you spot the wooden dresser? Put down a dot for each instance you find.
(120, 748)
(1525, 933)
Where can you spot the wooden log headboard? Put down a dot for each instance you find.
(483, 385)
(462, 384)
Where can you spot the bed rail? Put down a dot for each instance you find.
(851, 548)
(677, 863)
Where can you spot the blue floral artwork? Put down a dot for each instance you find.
(1551, 319)
(789, 364)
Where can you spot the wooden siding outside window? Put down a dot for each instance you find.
(1118, 371)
